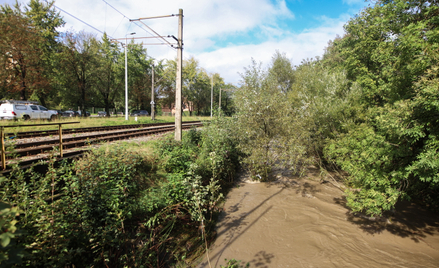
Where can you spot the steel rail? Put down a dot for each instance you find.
(43, 133)
(47, 146)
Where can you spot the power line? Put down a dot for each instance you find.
(81, 21)
(126, 17)
(118, 26)
(115, 9)
(155, 34)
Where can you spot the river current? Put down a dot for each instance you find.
(294, 222)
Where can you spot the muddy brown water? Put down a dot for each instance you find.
(305, 223)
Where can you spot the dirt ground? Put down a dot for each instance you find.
(303, 222)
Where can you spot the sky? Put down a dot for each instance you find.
(223, 35)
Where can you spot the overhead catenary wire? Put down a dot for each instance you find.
(94, 28)
(118, 26)
(153, 32)
(125, 17)
(115, 9)
(155, 35)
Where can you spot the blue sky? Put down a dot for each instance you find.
(223, 35)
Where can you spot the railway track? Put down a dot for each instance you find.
(28, 148)
(44, 133)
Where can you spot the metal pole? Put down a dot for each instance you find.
(179, 77)
(152, 95)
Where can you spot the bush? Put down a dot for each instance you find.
(176, 156)
(110, 210)
(78, 214)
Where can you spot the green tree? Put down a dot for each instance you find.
(192, 88)
(267, 125)
(77, 68)
(139, 76)
(167, 88)
(46, 20)
(109, 75)
(328, 101)
(390, 50)
(199, 92)
(282, 71)
(20, 54)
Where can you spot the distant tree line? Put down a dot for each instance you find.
(76, 69)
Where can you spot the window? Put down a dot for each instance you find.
(20, 107)
(34, 107)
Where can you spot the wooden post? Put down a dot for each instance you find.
(2, 134)
(179, 77)
(60, 139)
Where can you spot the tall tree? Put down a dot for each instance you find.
(109, 73)
(167, 89)
(139, 78)
(78, 72)
(268, 129)
(46, 20)
(282, 71)
(390, 50)
(20, 55)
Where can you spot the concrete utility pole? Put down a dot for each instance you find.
(219, 107)
(179, 77)
(126, 77)
(152, 95)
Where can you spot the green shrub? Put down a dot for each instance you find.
(175, 156)
(10, 252)
(219, 157)
(234, 264)
(111, 209)
(79, 214)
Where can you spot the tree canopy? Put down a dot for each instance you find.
(70, 69)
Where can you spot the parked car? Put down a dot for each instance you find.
(70, 113)
(139, 113)
(102, 113)
(58, 113)
(87, 114)
(14, 109)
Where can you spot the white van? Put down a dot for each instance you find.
(13, 109)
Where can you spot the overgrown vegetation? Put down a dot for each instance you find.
(267, 127)
(369, 108)
(118, 208)
(391, 51)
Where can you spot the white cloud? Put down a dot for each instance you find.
(202, 19)
(353, 2)
(205, 22)
(310, 43)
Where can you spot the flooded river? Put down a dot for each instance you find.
(304, 223)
